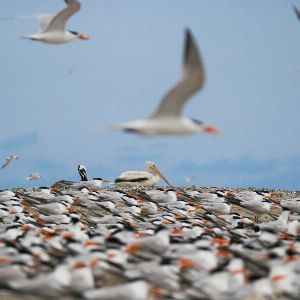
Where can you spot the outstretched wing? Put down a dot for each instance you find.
(59, 21)
(191, 81)
(297, 11)
(6, 162)
(44, 21)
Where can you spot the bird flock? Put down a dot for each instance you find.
(138, 242)
(141, 244)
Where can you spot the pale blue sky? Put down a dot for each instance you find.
(55, 98)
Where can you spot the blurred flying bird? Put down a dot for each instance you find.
(52, 27)
(168, 119)
(8, 160)
(34, 176)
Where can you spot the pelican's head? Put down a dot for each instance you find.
(82, 172)
(152, 168)
(205, 128)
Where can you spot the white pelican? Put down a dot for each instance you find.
(8, 160)
(140, 178)
(52, 27)
(168, 118)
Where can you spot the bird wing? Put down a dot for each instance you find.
(297, 11)
(133, 176)
(44, 21)
(59, 21)
(191, 81)
(6, 162)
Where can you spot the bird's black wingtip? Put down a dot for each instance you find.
(188, 36)
(188, 42)
(297, 11)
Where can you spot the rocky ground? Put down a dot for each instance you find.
(73, 244)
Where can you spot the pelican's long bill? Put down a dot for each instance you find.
(156, 170)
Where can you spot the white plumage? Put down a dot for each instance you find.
(52, 27)
(168, 119)
(141, 178)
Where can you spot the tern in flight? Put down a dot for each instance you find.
(34, 176)
(168, 118)
(52, 27)
(141, 178)
(8, 160)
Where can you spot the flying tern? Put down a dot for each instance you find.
(8, 160)
(52, 27)
(34, 176)
(168, 118)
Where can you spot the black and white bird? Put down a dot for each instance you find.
(168, 118)
(94, 184)
(52, 27)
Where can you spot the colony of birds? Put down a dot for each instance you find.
(87, 242)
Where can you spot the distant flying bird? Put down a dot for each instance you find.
(297, 11)
(34, 176)
(52, 27)
(8, 160)
(141, 178)
(168, 119)
(190, 179)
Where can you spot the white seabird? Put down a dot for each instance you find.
(8, 160)
(34, 176)
(141, 178)
(168, 118)
(52, 27)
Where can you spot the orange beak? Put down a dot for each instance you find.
(83, 36)
(211, 129)
(161, 176)
(105, 180)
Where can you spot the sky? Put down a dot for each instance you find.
(56, 100)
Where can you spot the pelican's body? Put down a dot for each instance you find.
(52, 27)
(168, 118)
(141, 178)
